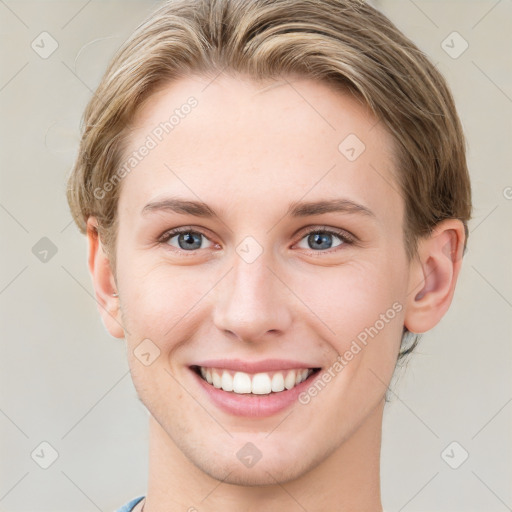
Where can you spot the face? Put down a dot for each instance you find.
(261, 289)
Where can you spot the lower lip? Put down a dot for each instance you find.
(254, 405)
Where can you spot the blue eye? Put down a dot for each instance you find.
(318, 240)
(187, 239)
(322, 239)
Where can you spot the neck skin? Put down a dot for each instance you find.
(348, 480)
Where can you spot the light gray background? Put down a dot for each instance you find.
(65, 381)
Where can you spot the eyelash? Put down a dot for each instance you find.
(346, 238)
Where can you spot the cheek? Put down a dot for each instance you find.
(158, 298)
(351, 298)
(364, 309)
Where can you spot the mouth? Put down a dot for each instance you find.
(261, 383)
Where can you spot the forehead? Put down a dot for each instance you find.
(259, 145)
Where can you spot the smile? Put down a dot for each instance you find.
(263, 383)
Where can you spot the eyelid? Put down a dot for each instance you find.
(345, 235)
(171, 233)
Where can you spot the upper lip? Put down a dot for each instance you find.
(266, 365)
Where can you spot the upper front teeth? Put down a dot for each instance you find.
(259, 383)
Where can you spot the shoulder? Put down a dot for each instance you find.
(128, 507)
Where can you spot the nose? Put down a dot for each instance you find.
(252, 302)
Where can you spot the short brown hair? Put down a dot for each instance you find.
(344, 43)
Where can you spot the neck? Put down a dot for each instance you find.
(348, 479)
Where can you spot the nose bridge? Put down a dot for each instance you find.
(250, 301)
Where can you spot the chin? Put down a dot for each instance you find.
(276, 466)
(260, 475)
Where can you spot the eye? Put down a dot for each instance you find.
(186, 239)
(318, 240)
(322, 239)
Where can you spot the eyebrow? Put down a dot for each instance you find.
(295, 209)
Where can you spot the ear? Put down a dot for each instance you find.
(103, 281)
(433, 275)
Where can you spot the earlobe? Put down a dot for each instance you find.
(433, 276)
(103, 281)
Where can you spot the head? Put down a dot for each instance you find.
(254, 108)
